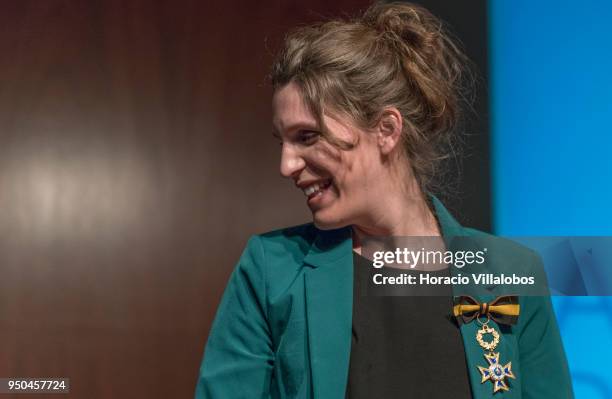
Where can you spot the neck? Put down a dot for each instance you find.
(404, 214)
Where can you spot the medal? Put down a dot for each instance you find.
(503, 310)
(494, 372)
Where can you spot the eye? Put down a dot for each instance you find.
(308, 137)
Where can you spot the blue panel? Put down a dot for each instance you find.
(551, 80)
(551, 110)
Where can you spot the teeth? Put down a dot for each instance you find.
(311, 189)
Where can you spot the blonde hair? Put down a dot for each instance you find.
(395, 55)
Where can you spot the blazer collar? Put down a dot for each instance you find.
(330, 246)
(450, 227)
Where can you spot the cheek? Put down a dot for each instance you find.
(357, 169)
(326, 160)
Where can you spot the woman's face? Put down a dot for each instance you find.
(340, 185)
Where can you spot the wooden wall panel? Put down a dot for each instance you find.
(135, 160)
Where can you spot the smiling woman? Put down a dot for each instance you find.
(365, 111)
(334, 180)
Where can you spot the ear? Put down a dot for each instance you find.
(389, 130)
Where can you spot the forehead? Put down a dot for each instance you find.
(289, 110)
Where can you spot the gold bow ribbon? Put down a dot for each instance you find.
(502, 310)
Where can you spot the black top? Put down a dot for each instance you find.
(403, 346)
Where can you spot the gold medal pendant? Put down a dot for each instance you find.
(494, 372)
(503, 310)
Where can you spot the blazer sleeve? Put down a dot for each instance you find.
(544, 370)
(238, 357)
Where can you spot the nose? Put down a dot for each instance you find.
(291, 162)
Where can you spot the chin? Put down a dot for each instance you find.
(323, 222)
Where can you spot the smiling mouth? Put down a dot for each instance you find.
(317, 188)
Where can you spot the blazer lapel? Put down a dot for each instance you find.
(329, 308)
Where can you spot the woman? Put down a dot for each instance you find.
(365, 110)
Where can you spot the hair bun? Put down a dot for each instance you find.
(412, 23)
(432, 62)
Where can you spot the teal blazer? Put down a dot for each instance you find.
(283, 327)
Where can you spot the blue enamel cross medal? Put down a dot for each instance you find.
(494, 372)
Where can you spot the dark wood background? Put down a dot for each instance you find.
(135, 160)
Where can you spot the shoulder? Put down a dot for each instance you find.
(281, 251)
(505, 254)
(293, 241)
(272, 258)
(509, 257)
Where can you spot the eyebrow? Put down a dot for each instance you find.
(295, 127)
